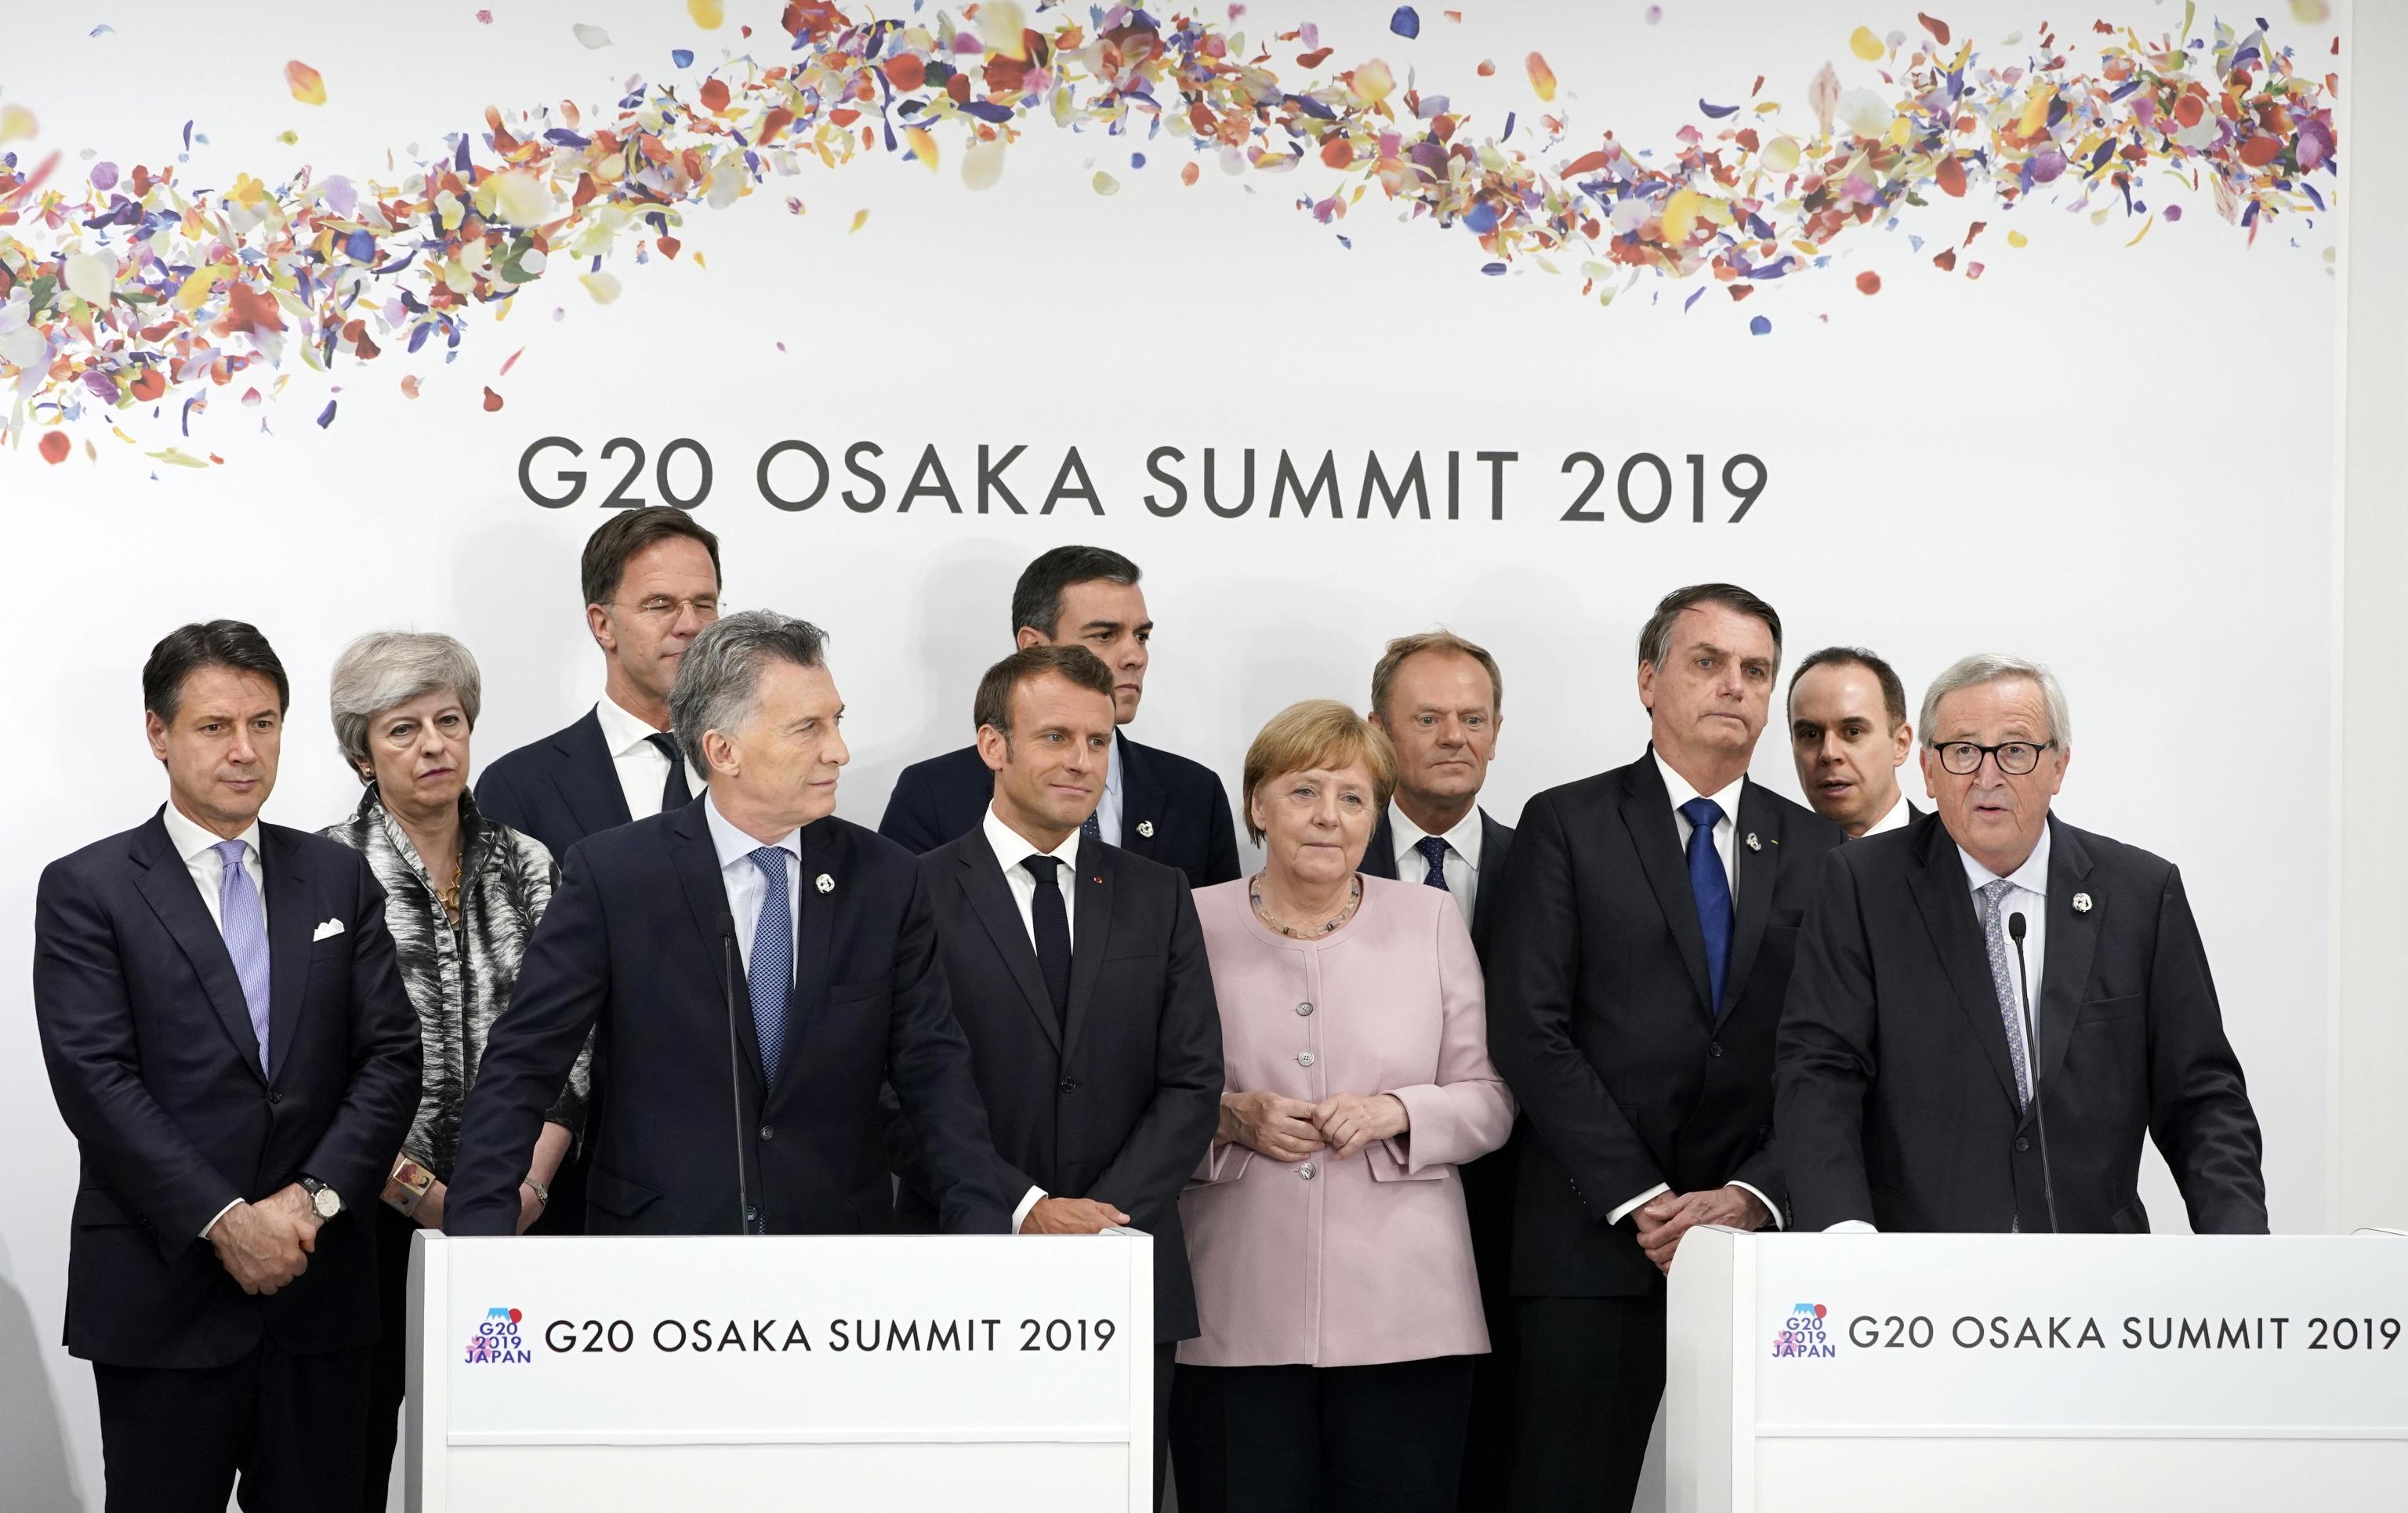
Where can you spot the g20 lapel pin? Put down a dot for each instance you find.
(825, 883)
(1752, 844)
(1145, 828)
(2081, 904)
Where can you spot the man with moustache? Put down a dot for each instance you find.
(1636, 971)
(1078, 976)
(823, 934)
(1441, 699)
(1155, 804)
(1849, 735)
(1912, 1096)
(229, 1041)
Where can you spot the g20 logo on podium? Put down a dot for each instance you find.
(1802, 1334)
(497, 1341)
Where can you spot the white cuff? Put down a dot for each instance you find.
(218, 1214)
(1643, 1200)
(1020, 1214)
(1850, 1226)
(1770, 1206)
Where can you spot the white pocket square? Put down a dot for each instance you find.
(332, 927)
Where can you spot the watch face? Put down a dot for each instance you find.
(325, 1202)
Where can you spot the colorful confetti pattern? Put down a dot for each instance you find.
(132, 290)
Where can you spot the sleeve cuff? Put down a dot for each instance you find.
(1028, 1201)
(1850, 1226)
(218, 1214)
(1770, 1206)
(1635, 1203)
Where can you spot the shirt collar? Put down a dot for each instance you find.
(190, 840)
(1895, 819)
(1463, 840)
(1012, 848)
(1113, 768)
(2032, 876)
(1682, 792)
(622, 732)
(733, 845)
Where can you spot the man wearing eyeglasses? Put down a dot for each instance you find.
(1909, 1093)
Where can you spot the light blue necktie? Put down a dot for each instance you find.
(244, 924)
(770, 975)
(1433, 850)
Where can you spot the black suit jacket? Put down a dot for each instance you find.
(1119, 1102)
(634, 948)
(156, 1070)
(1181, 802)
(1598, 1018)
(1897, 1100)
(559, 789)
(1496, 845)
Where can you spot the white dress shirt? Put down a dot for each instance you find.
(2030, 898)
(746, 886)
(1108, 812)
(1461, 866)
(199, 849)
(1726, 833)
(1895, 820)
(643, 772)
(1012, 848)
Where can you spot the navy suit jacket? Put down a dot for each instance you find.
(1119, 1101)
(634, 948)
(1181, 802)
(1496, 845)
(559, 789)
(156, 1071)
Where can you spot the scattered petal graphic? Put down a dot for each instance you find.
(304, 82)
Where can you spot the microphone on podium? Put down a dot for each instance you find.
(2031, 1063)
(734, 961)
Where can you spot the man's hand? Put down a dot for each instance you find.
(1349, 1121)
(1279, 1127)
(1663, 1220)
(429, 1215)
(530, 1206)
(1070, 1216)
(264, 1245)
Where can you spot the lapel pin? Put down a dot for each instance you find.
(1145, 828)
(1752, 844)
(2081, 904)
(825, 883)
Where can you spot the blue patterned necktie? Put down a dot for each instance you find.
(1093, 828)
(1993, 932)
(1710, 887)
(1433, 850)
(244, 925)
(769, 975)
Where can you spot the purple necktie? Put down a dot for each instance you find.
(244, 924)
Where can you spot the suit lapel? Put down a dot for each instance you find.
(1942, 895)
(814, 937)
(1380, 857)
(1141, 798)
(2072, 940)
(990, 898)
(166, 884)
(592, 792)
(1495, 845)
(1759, 870)
(291, 925)
(696, 862)
(1647, 814)
(1091, 933)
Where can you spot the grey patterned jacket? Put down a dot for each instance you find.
(460, 980)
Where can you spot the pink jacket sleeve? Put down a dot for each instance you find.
(1466, 1112)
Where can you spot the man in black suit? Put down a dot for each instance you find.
(651, 579)
(1441, 699)
(228, 1038)
(839, 994)
(1642, 947)
(1091, 1021)
(1909, 1097)
(1156, 805)
(1849, 735)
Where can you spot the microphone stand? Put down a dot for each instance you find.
(736, 1074)
(2032, 1064)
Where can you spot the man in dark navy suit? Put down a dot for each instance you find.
(1850, 737)
(229, 1040)
(1156, 805)
(1079, 974)
(819, 930)
(1441, 699)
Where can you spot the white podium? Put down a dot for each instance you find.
(835, 1373)
(2023, 1373)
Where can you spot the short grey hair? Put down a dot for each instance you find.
(1994, 667)
(719, 678)
(387, 668)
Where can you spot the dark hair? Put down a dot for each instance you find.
(609, 550)
(1893, 691)
(1655, 636)
(1036, 599)
(1083, 667)
(188, 649)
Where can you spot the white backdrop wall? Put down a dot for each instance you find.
(2118, 460)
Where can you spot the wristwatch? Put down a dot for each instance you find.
(323, 1200)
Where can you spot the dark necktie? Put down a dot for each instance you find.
(1433, 850)
(1092, 828)
(1052, 919)
(675, 794)
(1711, 887)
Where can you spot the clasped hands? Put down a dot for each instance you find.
(1291, 1129)
(266, 1245)
(1665, 1218)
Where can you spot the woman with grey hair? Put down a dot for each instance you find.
(462, 896)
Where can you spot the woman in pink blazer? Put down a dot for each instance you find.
(1325, 1229)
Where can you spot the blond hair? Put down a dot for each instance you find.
(1317, 733)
